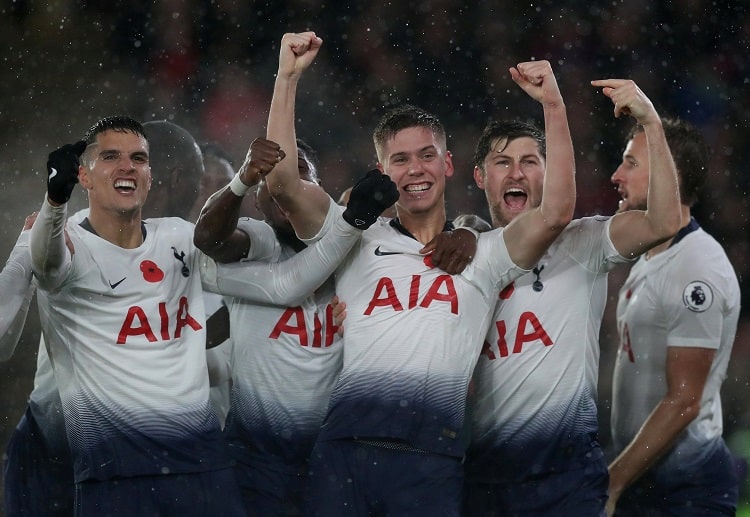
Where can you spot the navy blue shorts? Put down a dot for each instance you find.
(269, 488)
(575, 493)
(197, 494)
(711, 489)
(36, 482)
(348, 478)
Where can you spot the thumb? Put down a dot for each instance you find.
(428, 248)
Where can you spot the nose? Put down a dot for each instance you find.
(617, 176)
(126, 163)
(415, 166)
(516, 171)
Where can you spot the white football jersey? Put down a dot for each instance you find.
(685, 296)
(412, 336)
(17, 291)
(285, 361)
(533, 403)
(126, 335)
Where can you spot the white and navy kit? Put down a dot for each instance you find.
(126, 334)
(17, 291)
(413, 335)
(533, 406)
(685, 296)
(38, 470)
(284, 363)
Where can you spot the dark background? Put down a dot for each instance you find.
(209, 66)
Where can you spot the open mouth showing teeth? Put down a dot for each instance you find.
(515, 198)
(125, 185)
(417, 188)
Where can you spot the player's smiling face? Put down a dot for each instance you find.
(116, 171)
(512, 179)
(631, 177)
(418, 163)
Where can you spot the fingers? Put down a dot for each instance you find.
(262, 157)
(339, 314)
(29, 222)
(537, 80)
(534, 71)
(628, 99)
(429, 247)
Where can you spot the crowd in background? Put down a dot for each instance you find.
(209, 66)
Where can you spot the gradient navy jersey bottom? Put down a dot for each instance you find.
(710, 489)
(200, 494)
(348, 478)
(268, 487)
(581, 492)
(36, 482)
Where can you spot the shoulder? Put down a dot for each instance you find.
(592, 224)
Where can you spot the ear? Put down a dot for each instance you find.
(449, 170)
(83, 177)
(479, 177)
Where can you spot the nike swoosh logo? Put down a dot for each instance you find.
(384, 253)
(116, 283)
(54, 173)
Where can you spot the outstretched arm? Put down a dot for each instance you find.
(633, 232)
(304, 202)
(687, 370)
(216, 232)
(287, 282)
(529, 235)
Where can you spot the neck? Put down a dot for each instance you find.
(423, 226)
(121, 229)
(666, 244)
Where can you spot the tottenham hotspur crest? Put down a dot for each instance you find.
(697, 296)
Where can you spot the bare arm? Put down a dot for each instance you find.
(305, 203)
(529, 235)
(633, 232)
(216, 232)
(687, 370)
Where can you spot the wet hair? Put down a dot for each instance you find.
(507, 130)
(689, 152)
(118, 123)
(403, 117)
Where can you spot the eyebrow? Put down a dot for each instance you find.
(431, 147)
(115, 151)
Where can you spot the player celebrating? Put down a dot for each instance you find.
(534, 445)
(392, 440)
(677, 315)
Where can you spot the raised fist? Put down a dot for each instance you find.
(372, 194)
(62, 171)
